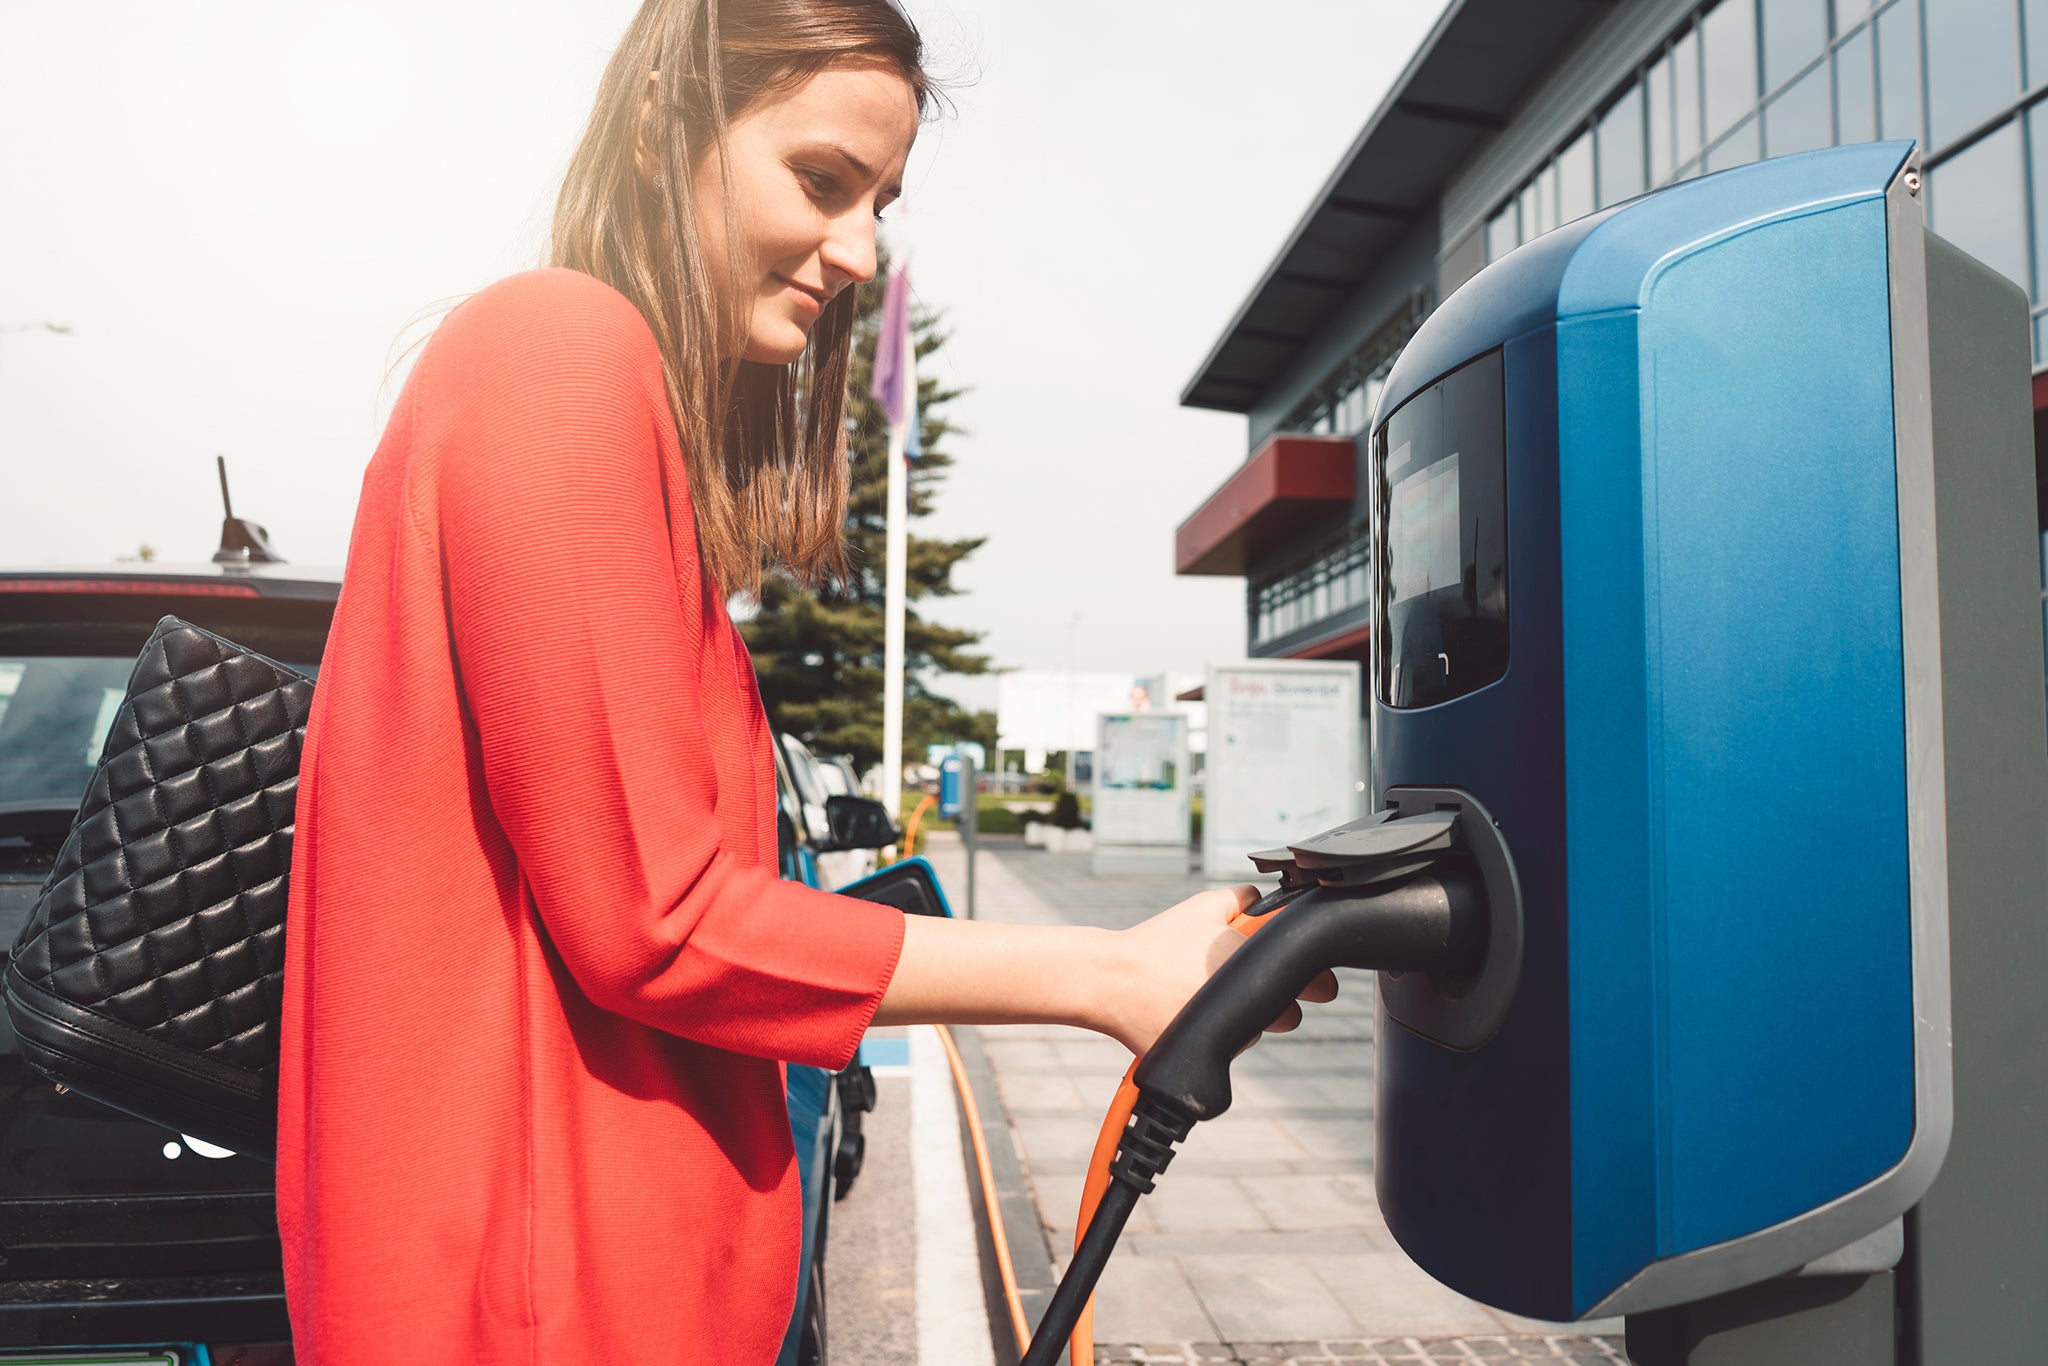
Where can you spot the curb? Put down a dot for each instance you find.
(1030, 1254)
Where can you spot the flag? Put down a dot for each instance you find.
(895, 381)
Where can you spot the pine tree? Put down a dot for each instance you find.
(819, 653)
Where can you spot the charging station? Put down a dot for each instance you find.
(1697, 592)
(1707, 876)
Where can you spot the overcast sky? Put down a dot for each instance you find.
(238, 208)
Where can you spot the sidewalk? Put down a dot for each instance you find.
(1264, 1242)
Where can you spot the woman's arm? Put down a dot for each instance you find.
(1124, 983)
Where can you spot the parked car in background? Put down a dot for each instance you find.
(116, 1233)
(816, 783)
(841, 765)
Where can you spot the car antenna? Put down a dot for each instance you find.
(241, 541)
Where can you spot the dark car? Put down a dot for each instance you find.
(115, 1233)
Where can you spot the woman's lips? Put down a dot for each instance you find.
(810, 301)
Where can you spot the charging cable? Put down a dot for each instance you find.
(1407, 900)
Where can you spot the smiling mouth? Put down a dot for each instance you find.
(814, 300)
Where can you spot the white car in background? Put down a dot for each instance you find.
(815, 781)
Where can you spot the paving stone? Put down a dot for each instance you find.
(1187, 1202)
(1149, 1299)
(1008, 1054)
(1050, 1138)
(1313, 1202)
(1256, 1353)
(1354, 1089)
(1234, 1140)
(1247, 1243)
(1266, 1091)
(1387, 1293)
(1025, 1090)
(1344, 1138)
(1245, 1294)
(1546, 1328)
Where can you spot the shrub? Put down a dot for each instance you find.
(1066, 811)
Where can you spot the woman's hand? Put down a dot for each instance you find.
(1124, 983)
(1171, 955)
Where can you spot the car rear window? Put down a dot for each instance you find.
(54, 716)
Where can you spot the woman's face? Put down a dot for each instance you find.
(810, 169)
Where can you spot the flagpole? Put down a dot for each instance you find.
(893, 585)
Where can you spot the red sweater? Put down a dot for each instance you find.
(540, 966)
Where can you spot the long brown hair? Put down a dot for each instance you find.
(765, 444)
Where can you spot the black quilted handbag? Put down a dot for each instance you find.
(150, 974)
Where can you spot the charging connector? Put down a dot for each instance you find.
(1395, 893)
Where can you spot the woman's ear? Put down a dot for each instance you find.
(645, 160)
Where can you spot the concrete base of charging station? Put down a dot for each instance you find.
(1140, 860)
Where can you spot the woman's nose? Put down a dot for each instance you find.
(849, 251)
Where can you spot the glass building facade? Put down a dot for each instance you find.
(1739, 80)
(1330, 584)
(1648, 94)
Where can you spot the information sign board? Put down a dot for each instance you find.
(1286, 757)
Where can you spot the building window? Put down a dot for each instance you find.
(1342, 404)
(1898, 71)
(1799, 119)
(1739, 148)
(2036, 12)
(1331, 582)
(1685, 91)
(2037, 143)
(1621, 149)
(1744, 79)
(1575, 179)
(1728, 47)
(1504, 230)
(1795, 32)
(1855, 91)
(1657, 94)
(1971, 202)
(1972, 65)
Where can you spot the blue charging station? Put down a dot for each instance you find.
(952, 775)
(1674, 514)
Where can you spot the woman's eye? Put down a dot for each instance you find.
(819, 183)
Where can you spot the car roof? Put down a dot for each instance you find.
(268, 580)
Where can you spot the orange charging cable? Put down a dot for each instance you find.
(1081, 1346)
(910, 831)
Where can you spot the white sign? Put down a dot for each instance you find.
(1286, 757)
(1141, 779)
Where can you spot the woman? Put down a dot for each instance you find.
(541, 969)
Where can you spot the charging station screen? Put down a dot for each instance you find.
(1443, 628)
